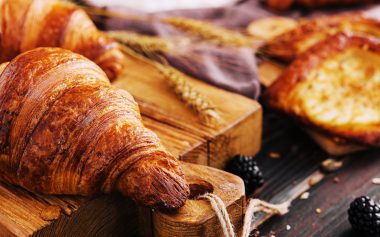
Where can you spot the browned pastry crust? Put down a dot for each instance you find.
(333, 87)
(290, 44)
(325, 3)
(65, 130)
(280, 4)
(286, 4)
(27, 24)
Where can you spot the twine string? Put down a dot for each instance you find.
(221, 212)
(249, 215)
(254, 206)
(226, 216)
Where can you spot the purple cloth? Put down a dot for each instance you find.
(231, 68)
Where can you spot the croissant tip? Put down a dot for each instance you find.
(112, 63)
(176, 201)
(159, 188)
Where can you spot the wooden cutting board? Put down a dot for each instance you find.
(24, 214)
(197, 218)
(181, 131)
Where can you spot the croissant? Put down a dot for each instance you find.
(286, 4)
(65, 130)
(333, 88)
(28, 24)
(292, 43)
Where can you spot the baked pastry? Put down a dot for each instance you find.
(280, 4)
(270, 27)
(65, 130)
(333, 89)
(290, 44)
(286, 4)
(27, 24)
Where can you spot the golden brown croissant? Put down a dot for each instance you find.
(334, 88)
(285, 4)
(27, 24)
(290, 44)
(65, 130)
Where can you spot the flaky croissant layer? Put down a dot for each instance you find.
(28, 24)
(65, 130)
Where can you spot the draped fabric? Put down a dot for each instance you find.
(231, 68)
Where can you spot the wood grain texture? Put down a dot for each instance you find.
(101, 216)
(20, 213)
(179, 142)
(114, 215)
(197, 218)
(240, 131)
(286, 177)
(289, 176)
(333, 198)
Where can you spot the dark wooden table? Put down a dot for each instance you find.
(299, 158)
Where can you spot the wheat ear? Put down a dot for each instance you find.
(208, 31)
(199, 103)
(140, 43)
(188, 93)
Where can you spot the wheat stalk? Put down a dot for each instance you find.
(151, 46)
(193, 98)
(199, 103)
(210, 32)
(140, 43)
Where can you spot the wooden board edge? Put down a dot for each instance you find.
(243, 137)
(197, 218)
(98, 216)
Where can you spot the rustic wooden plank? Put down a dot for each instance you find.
(114, 215)
(107, 215)
(332, 198)
(20, 210)
(229, 141)
(288, 176)
(299, 160)
(197, 218)
(299, 156)
(182, 144)
(241, 116)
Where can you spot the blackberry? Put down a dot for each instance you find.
(247, 169)
(364, 216)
